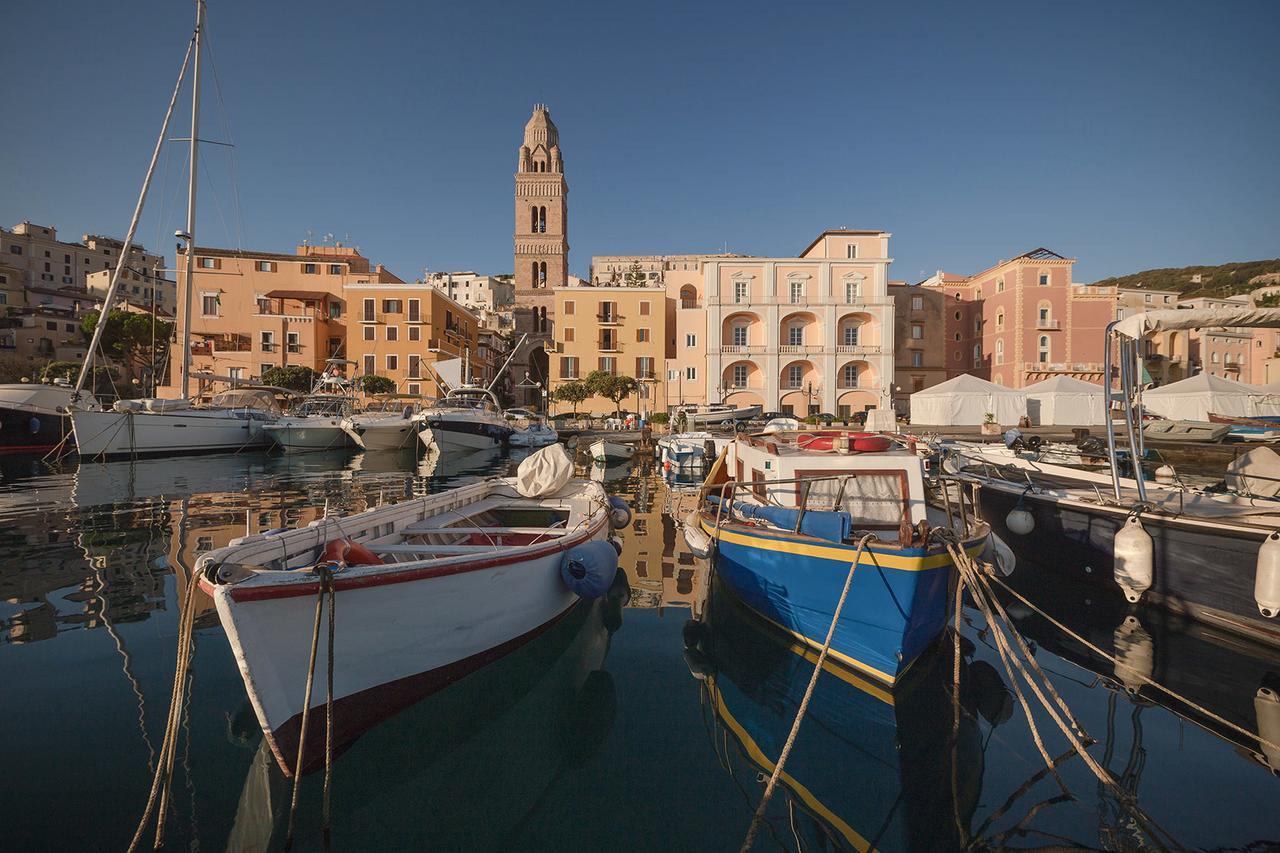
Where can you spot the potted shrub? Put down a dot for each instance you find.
(989, 425)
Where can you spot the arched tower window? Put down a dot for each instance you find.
(533, 220)
(542, 220)
(542, 274)
(534, 278)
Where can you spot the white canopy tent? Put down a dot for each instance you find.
(1193, 398)
(965, 401)
(1065, 400)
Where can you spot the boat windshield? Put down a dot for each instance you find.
(253, 399)
(318, 407)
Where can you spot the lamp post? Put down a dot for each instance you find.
(529, 385)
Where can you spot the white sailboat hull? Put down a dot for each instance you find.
(110, 434)
(302, 434)
(391, 433)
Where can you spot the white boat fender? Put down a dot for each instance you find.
(1165, 474)
(1020, 520)
(1135, 655)
(1266, 705)
(617, 544)
(1134, 559)
(1266, 580)
(619, 513)
(1000, 554)
(589, 569)
(697, 540)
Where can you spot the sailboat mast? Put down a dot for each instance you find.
(193, 161)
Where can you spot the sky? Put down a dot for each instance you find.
(1126, 135)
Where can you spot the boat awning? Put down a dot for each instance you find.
(1175, 319)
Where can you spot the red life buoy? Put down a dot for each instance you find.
(348, 552)
(859, 442)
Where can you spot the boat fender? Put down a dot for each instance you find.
(348, 552)
(1266, 705)
(999, 554)
(1166, 474)
(1134, 559)
(700, 666)
(1266, 580)
(697, 540)
(693, 633)
(589, 569)
(33, 425)
(666, 466)
(1020, 520)
(619, 513)
(1135, 655)
(617, 544)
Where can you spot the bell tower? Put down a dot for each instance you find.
(541, 239)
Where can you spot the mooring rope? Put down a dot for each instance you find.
(758, 817)
(323, 571)
(163, 776)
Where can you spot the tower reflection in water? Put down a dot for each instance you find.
(871, 767)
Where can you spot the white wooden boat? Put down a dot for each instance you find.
(719, 413)
(427, 590)
(611, 452)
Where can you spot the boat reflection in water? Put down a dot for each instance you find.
(872, 767)
(463, 768)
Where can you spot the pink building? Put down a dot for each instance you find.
(1023, 321)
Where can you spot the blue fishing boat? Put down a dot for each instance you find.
(786, 526)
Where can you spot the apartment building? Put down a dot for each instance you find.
(476, 292)
(623, 330)
(1166, 354)
(920, 356)
(134, 291)
(1023, 320)
(36, 255)
(252, 311)
(1229, 353)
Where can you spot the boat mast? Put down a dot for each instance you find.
(506, 363)
(109, 298)
(190, 235)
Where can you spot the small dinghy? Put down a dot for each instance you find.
(426, 591)
(611, 452)
(1170, 430)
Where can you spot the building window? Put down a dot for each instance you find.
(369, 333)
(1044, 349)
(851, 251)
(608, 339)
(393, 362)
(568, 336)
(849, 337)
(17, 250)
(740, 291)
(568, 308)
(309, 269)
(1214, 358)
(644, 308)
(263, 368)
(1044, 279)
(335, 269)
(569, 367)
(608, 364)
(1000, 285)
(392, 306)
(209, 304)
(999, 319)
(368, 315)
(739, 376)
(293, 341)
(672, 374)
(642, 336)
(335, 310)
(264, 304)
(1044, 316)
(415, 333)
(917, 303)
(415, 310)
(268, 341)
(795, 335)
(690, 340)
(977, 355)
(848, 376)
(370, 365)
(917, 358)
(393, 333)
(1000, 351)
(644, 367)
(797, 292)
(795, 376)
(917, 331)
(852, 290)
(740, 336)
(264, 266)
(415, 366)
(208, 264)
(691, 373)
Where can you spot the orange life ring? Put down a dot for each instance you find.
(348, 552)
(859, 442)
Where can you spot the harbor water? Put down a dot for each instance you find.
(618, 729)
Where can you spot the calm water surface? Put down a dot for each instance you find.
(597, 736)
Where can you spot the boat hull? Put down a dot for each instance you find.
(395, 642)
(299, 437)
(896, 607)
(387, 434)
(24, 431)
(1199, 569)
(449, 434)
(112, 435)
(610, 452)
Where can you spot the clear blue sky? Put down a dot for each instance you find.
(1128, 135)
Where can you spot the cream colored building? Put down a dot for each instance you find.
(35, 252)
(623, 330)
(1166, 354)
(477, 292)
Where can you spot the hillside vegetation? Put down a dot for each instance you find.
(1222, 280)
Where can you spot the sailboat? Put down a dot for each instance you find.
(133, 428)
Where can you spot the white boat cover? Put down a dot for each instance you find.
(1065, 400)
(1176, 319)
(161, 404)
(965, 401)
(1255, 473)
(1193, 398)
(779, 425)
(545, 472)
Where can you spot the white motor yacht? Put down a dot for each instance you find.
(391, 427)
(316, 425)
(466, 418)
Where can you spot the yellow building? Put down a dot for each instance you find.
(626, 330)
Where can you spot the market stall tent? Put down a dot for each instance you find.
(1065, 400)
(1193, 398)
(965, 401)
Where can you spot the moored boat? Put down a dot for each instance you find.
(315, 425)
(536, 435)
(605, 452)
(467, 418)
(391, 426)
(789, 513)
(429, 589)
(36, 417)
(1183, 430)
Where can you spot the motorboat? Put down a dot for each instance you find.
(716, 414)
(1212, 553)
(392, 425)
(232, 421)
(536, 435)
(688, 450)
(789, 514)
(315, 425)
(604, 452)
(466, 418)
(37, 417)
(427, 590)
(1183, 430)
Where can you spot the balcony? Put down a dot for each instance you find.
(609, 319)
(689, 304)
(738, 349)
(859, 349)
(1049, 325)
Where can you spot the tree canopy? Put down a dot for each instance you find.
(371, 384)
(128, 336)
(611, 387)
(573, 392)
(295, 377)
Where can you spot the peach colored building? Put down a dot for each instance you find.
(1166, 354)
(1222, 352)
(1023, 320)
(253, 311)
(624, 330)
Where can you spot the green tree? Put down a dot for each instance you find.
(635, 275)
(611, 387)
(573, 392)
(371, 384)
(128, 337)
(295, 377)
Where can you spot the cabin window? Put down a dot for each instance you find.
(875, 499)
